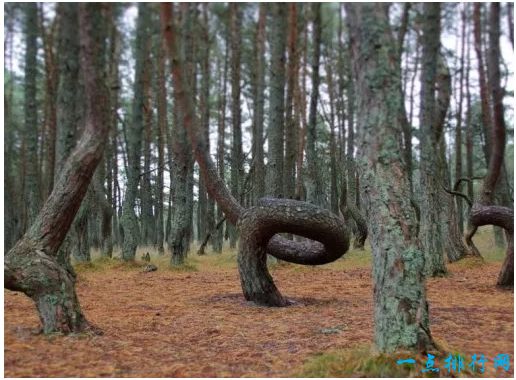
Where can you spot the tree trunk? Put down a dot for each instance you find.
(259, 103)
(458, 128)
(352, 215)
(401, 310)
(181, 226)
(50, 103)
(483, 212)
(315, 193)
(147, 218)
(274, 183)
(237, 169)
(32, 188)
(431, 141)
(292, 122)
(271, 216)
(129, 220)
(309, 252)
(162, 127)
(31, 266)
(219, 237)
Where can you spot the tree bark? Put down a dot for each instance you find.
(31, 265)
(401, 310)
(432, 135)
(32, 186)
(162, 127)
(315, 193)
(309, 252)
(292, 123)
(129, 221)
(259, 104)
(237, 169)
(276, 130)
(483, 211)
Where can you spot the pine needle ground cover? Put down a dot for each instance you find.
(194, 321)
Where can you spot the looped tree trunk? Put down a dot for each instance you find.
(258, 227)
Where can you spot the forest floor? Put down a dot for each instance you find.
(194, 322)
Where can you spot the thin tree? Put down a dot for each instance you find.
(129, 220)
(32, 185)
(315, 193)
(276, 129)
(259, 104)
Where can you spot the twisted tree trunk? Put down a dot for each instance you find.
(32, 266)
(483, 212)
(297, 217)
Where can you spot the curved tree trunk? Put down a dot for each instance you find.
(271, 216)
(31, 266)
(483, 212)
(309, 252)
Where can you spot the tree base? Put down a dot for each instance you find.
(39, 276)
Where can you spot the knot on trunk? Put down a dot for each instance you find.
(259, 226)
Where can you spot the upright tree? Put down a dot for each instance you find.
(314, 186)
(237, 169)
(431, 139)
(129, 220)
(400, 307)
(32, 183)
(276, 129)
(259, 104)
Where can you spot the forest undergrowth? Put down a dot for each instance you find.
(194, 321)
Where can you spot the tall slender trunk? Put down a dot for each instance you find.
(30, 132)
(259, 103)
(334, 194)
(432, 136)
(129, 220)
(349, 205)
(221, 126)
(161, 131)
(458, 128)
(292, 121)
(315, 193)
(50, 103)
(276, 129)
(237, 170)
(147, 218)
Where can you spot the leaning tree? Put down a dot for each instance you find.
(483, 211)
(260, 225)
(32, 266)
(401, 310)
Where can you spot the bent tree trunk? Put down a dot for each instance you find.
(483, 211)
(31, 266)
(258, 225)
(287, 217)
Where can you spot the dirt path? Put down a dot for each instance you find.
(170, 324)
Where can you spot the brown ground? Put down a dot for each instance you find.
(195, 324)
